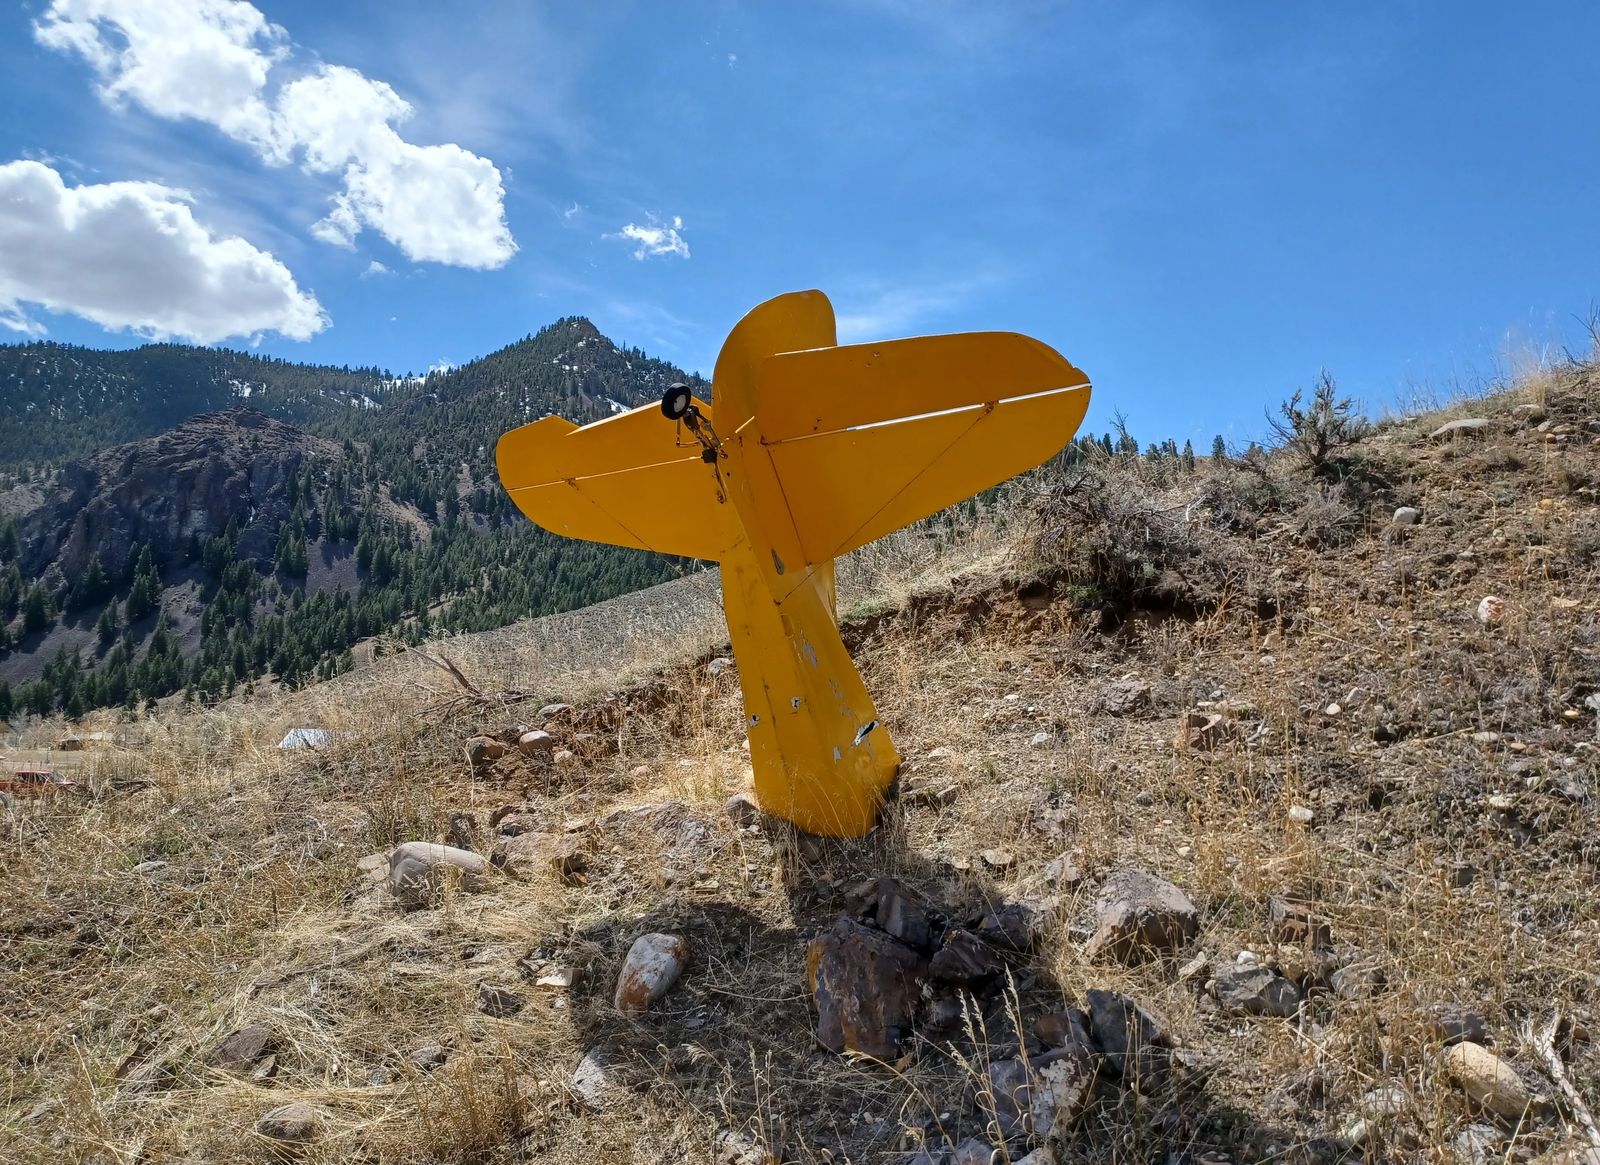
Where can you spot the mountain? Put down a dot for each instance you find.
(236, 545)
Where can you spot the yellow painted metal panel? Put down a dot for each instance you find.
(862, 384)
(785, 323)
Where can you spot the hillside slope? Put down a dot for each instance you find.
(1268, 687)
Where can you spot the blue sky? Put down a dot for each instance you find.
(1200, 204)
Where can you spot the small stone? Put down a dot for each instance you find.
(653, 965)
(1205, 731)
(1293, 922)
(498, 1002)
(154, 866)
(550, 711)
(1060, 1029)
(1016, 926)
(296, 1123)
(1384, 1101)
(240, 1051)
(428, 1058)
(1488, 1080)
(739, 1148)
(932, 794)
(1144, 798)
(594, 1082)
(1254, 990)
(1491, 609)
(964, 959)
(529, 853)
(1040, 740)
(1450, 1024)
(940, 753)
(1123, 697)
(481, 750)
(1465, 426)
(1334, 708)
(536, 744)
(1062, 871)
(1502, 802)
(1407, 516)
(998, 859)
(1358, 981)
(1301, 815)
(742, 810)
(1479, 1144)
(418, 871)
(564, 759)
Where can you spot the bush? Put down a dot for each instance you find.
(1318, 431)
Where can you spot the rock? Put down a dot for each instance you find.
(463, 827)
(1040, 740)
(536, 744)
(1062, 871)
(896, 908)
(514, 824)
(295, 1123)
(1204, 731)
(528, 854)
(551, 711)
(1491, 609)
(1128, 1037)
(1407, 516)
(1016, 926)
(1062, 1029)
(972, 1152)
(653, 965)
(998, 859)
(742, 810)
(418, 871)
(865, 985)
(498, 1002)
(564, 758)
(1141, 915)
(940, 753)
(1488, 1080)
(153, 866)
(964, 959)
(1358, 980)
(594, 1082)
(1293, 922)
(482, 750)
(1252, 990)
(931, 794)
(1466, 427)
(1144, 798)
(944, 1016)
(1123, 697)
(1063, 1083)
(1450, 1024)
(240, 1051)
(428, 1058)
(1301, 815)
(1479, 1144)
(1010, 1092)
(739, 1148)
(1385, 1101)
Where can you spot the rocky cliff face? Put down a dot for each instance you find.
(187, 482)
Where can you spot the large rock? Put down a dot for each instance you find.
(897, 909)
(865, 985)
(536, 744)
(1141, 915)
(1133, 1044)
(594, 1081)
(1252, 990)
(483, 750)
(653, 965)
(418, 871)
(1488, 1080)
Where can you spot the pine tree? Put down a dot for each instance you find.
(10, 541)
(38, 612)
(1219, 449)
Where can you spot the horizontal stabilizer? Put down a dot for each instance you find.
(635, 479)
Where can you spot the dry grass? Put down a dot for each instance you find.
(118, 983)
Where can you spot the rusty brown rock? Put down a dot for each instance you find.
(1204, 731)
(865, 985)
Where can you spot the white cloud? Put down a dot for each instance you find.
(656, 238)
(211, 61)
(375, 269)
(131, 256)
(877, 311)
